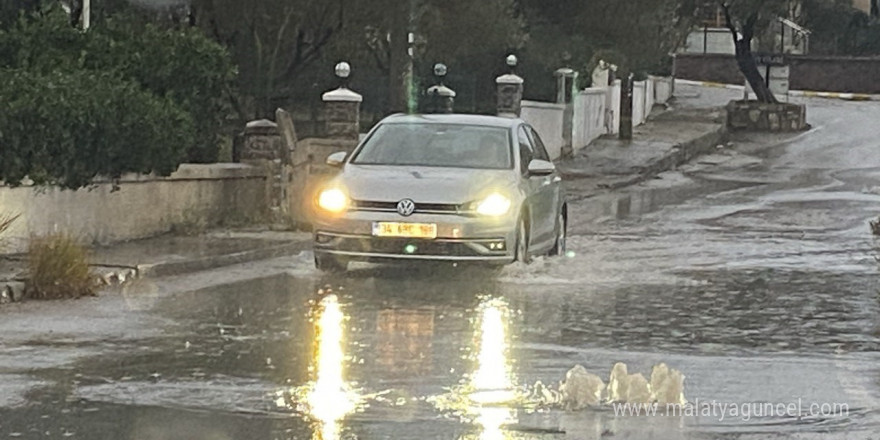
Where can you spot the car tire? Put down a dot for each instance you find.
(560, 246)
(521, 252)
(330, 263)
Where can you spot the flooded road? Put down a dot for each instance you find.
(751, 271)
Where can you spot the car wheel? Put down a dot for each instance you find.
(522, 242)
(559, 247)
(330, 263)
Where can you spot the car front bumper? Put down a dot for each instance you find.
(459, 238)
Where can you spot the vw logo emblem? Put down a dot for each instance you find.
(406, 207)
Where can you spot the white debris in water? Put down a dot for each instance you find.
(667, 385)
(581, 389)
(543, 395)
(638, 389)
(618, 383)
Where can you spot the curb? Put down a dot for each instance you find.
(679, 154)
(835, 95)
(172, 268)
(716, 85)
(12, 290)
(796, 93)
(684, 152)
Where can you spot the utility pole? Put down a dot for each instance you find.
(626, 109)
(86, 14)
(401, 59)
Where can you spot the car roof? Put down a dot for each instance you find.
(460, 119)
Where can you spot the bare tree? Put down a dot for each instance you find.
(743, 32)
(272, 42)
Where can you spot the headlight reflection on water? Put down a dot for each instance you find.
(488, 393)
(493, 383)
(329, 398)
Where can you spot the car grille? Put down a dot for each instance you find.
(397, 246)
(421, 208)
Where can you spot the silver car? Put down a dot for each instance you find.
(457, 188)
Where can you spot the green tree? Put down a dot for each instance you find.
(642, 32)
(68, 127)
(183, 65)
(837, 28)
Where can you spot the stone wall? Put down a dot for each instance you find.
(720, 68)
(835, 74)
(758, 116)
(138, 206)
(310, 171)
(808, 72)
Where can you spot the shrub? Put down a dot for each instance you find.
(66, 128)
(181, 67)
(58, 267)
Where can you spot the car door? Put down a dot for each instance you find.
(552, 188)
(538, 191)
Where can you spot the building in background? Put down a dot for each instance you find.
(783, 36)
(870, 7)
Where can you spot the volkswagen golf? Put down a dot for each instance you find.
(456, 188)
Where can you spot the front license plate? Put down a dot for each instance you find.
(408, 230)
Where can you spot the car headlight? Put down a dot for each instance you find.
(495, 205)
(333, 200)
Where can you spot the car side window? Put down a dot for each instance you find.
(540, 150)
(526, 149)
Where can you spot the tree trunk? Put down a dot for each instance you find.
(400, 62)
(746, 63)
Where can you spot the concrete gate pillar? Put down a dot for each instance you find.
(510, 91)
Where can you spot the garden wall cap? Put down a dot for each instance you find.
(261, 123)
(441, 90)
(509, 79)
(342, 95)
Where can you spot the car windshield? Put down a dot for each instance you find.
(438, 145)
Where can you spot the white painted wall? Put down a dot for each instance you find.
(638, 102)
(612, 104)
(142, 206)
(662, 89)
(595, 111)
(589, 116)
(547, 119)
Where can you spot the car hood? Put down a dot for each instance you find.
(422, 184)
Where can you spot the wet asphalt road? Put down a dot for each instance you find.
(752, 271)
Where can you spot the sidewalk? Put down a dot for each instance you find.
(169, 255)
(669, 139)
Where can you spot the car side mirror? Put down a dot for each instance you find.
(540, 167)
(336, 159)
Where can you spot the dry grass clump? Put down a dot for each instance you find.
(58, 267)
(6, 221)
